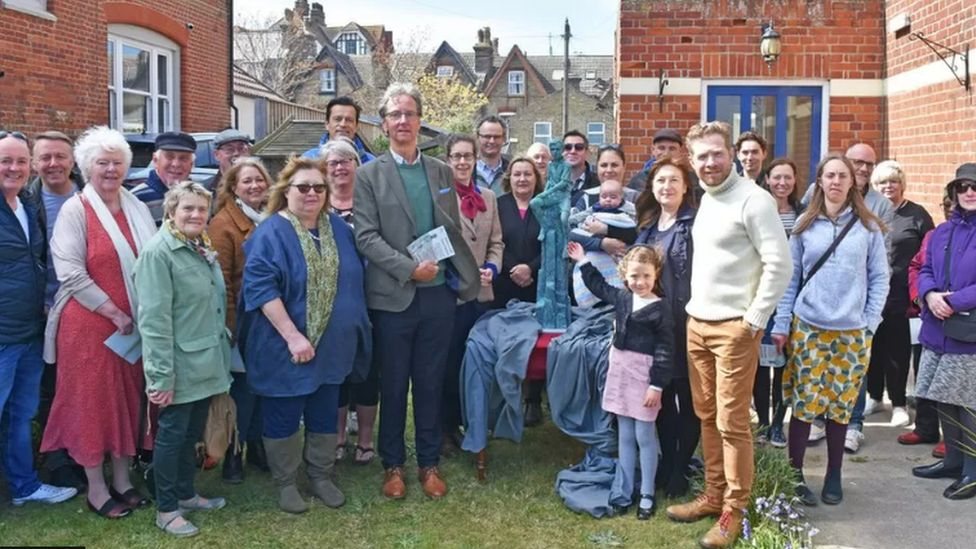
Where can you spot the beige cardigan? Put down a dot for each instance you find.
(483, 236)
(69, 250)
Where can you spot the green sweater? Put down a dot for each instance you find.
(418, 194)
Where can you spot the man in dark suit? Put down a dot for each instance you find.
(399, 197)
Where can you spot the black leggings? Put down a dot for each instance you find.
(761, 392)
(890, 355)
(678, 428)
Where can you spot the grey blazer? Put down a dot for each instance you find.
(385, 226)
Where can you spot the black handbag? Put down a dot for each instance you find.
(961, 325)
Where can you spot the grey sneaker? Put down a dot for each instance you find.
(47, 494)
(817, 432)
(853, 440)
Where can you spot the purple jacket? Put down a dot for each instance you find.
(961, 226)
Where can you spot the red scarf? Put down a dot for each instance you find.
(471, 200)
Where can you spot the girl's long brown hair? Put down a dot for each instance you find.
(818, 205)
(648, 208)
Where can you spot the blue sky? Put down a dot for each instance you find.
(421, 25)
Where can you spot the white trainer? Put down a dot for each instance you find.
(47, 494)
(817, 432)
(900, 417)
(853, 440)
(872, 407)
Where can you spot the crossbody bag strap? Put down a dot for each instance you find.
(826, 255)
(948, 259)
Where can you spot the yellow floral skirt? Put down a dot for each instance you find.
(824, 371)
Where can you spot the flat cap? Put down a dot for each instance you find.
(667, 134)
(230, 135)
(176, 141)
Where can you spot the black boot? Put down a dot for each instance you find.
(256, 455)
(233, 466)
(533, 414)
(803, 492)
(833, 492)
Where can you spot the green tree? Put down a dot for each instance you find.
(450, 104)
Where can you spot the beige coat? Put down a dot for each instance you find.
(483, 236)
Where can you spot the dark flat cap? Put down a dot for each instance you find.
(667, 134)
(230, 135)
(176, 141)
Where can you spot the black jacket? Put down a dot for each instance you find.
(24, 278)
(590, 180)
(676, 280)
(521, 238)
(649, 330)
(32, 193)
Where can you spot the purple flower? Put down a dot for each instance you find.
(746, 529)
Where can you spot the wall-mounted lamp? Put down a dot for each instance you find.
(770, 45)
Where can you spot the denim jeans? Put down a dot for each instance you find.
(174, 459)
(248, 404)
(281, 416)
(857, 414)
(21, 368)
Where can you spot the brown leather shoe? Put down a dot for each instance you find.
(431, 481)
(393, 485)
(697, 509)
(724, 532)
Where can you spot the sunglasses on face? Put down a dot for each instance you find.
(303, 188)
(574, 146)
(15, 135)
(962, 187)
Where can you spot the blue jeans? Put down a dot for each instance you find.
(248, 409)
(174, 465)
(857, 414)
(21, 368)
(281, 415)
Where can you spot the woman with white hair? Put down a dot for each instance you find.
(891, 349)
(98, 401)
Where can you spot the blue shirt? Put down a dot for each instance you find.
(275, 268)
(52, 206)
(364, 155)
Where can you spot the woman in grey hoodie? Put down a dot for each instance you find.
(830, 315)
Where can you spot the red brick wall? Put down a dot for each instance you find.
(719, 39)
(931, 130)
(57, 74)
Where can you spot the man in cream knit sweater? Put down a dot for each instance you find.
(740, 269)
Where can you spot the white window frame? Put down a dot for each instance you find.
(516, 83)
(327, 81)
(158, 46)
(37, 8)
(344, 37)
(542, 137)
(445, 71)
(595, 137)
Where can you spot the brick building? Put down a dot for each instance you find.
(842, 77)
(137, 65)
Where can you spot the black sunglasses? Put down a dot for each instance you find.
(15, 135)
(570, 146)
(305, 187)
(962, 187)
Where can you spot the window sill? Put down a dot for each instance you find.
(29, 11)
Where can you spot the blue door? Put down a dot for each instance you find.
(788, 117)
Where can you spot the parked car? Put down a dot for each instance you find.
(143, 144)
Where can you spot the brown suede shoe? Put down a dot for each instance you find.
(724, 532)
(430, 480)
(697, 509)
(393, 485)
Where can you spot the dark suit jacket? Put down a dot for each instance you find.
(521, 238)
(385, 227)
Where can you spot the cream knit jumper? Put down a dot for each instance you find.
(742, 263)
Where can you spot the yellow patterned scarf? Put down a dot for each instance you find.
(200, 244)
(323, 274)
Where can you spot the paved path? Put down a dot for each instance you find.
(884, 506)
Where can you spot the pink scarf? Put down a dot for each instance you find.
(471, 200)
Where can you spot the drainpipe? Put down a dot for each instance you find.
(230, 63)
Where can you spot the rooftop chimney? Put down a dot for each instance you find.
(318, 14)
(484, 51)
(301, 8)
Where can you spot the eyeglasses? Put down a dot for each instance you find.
(863, 164)
(458, 157)
(962, 187)
(397, 115)
(344, 162)
(303, 188)
(491, 137)
(574, 146)
(15, 135)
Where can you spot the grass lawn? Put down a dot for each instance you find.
(516, 507)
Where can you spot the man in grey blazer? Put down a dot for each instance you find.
(399, 197)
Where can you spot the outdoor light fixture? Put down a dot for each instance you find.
(769, 45)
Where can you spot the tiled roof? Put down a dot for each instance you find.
(343, 63)
(249, 86)
(467, 72)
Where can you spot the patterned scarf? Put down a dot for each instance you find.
(471, 200)
(323, 274)
(201, 244)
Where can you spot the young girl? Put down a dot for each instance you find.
(640, 364)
